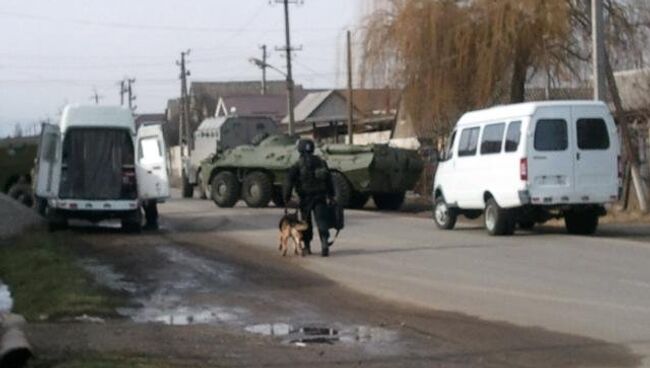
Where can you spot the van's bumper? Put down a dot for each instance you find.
(528, 198)
(88, 205)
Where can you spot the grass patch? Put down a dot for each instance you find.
(46, 281)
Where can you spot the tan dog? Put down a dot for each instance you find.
(292, 228)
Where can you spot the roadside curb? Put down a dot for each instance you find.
(15, 350)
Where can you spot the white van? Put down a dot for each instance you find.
(94, 165)
(527, 163)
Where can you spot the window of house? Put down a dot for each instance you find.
(492, 138)
(593, 134)
(551, 135)
(468, 142)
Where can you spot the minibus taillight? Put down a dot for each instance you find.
(523, 169)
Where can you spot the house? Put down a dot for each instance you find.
(273, 106)
(324, 115)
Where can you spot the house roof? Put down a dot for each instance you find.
(308, 105)
(374, 101)
(221, 89)
(274, 106)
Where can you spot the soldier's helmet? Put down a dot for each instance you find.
(306, 146)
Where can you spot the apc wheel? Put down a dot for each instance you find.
(342, 189)
(225, 189)
(389, 201)
(201, 187)
(444, 217)
(277, 197)
(358, 200)
(257, 190)
(498, 220)
(581, 222)
(186, 187)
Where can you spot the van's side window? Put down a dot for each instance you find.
(468, 142)
(593, 134)
(551, 135)
(492, 138)
(513, 136)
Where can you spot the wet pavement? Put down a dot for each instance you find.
(6, 303)
(182, 288)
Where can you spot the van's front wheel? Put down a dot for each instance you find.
(444, 216)
(498, 221)
(581, 222)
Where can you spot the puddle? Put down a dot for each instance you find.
(323, 335)
(107, 276)
(182, 315)
(6, 303)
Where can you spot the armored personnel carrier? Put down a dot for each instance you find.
(256, 173)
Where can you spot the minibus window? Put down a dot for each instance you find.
(492, 138)
(592, 134)
(468, 142)
(513, 136)
(551, 135)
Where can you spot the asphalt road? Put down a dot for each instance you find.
(597, 287)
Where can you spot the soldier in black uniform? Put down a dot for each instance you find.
(313, 182)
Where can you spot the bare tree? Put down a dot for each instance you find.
(453, 55)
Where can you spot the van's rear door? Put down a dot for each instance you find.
(151, 169)
(596, 157)
(48, 166)
(550, 157)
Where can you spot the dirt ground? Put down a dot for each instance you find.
(196, 299)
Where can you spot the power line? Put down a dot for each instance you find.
(149, 27)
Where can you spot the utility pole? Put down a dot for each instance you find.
(122, 85)
(184, 123)
(597, 20)
(264, 66)
(96, 97)
(130, 96)
(350, 93)
(288, 49)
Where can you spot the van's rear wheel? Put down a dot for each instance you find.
(444, 217)
(132, 223)
(257, 189)
(498, 221)
(225, 189)
(581, 222)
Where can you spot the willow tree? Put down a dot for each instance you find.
(452, 55)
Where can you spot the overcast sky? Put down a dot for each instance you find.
(55, 52)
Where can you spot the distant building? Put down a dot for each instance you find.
(324, 115)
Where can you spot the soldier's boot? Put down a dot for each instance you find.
(307, 248)
(324, 248)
